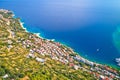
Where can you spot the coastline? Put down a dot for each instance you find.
(88, 58)
(67, 45)
(40, 35)
(63, 43)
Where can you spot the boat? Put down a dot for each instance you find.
(117, 60)
(118, 64)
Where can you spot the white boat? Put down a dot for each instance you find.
(117, 60)
(118, 64)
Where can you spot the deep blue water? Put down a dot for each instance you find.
(84, 25)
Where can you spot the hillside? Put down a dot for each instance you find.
(26, 56)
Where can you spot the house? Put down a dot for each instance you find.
(10, 42)
(5, 76)
(102, 77)
(40, 60)
(10, 46)
(76, 67)
(30, 55)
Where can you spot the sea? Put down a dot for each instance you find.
(86, 26)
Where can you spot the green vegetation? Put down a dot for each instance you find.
(14, 63)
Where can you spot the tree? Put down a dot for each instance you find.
(2, 71)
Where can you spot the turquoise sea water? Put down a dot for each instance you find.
(85, 25)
